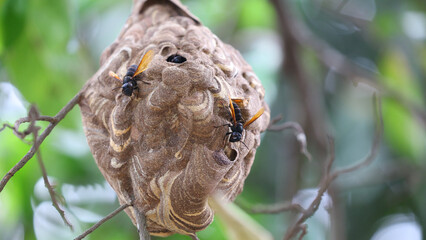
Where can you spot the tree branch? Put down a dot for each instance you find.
(49, 187)
(102, 221)
(313, 207)
(5, 125)
(376, 142)
(313, 119)
(53, 122)
(141, 221)
(329, 177)
(341, 64)
(300, 135)
(271, 209)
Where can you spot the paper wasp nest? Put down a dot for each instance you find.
(164, 147)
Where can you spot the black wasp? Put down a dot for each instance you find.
(237, 125)
(129, 82)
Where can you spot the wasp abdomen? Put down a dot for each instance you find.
(131, 70)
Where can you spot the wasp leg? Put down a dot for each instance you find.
(245, 144)
(137, 89)
(229, 125)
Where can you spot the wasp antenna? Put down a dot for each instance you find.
(116, 88)
(114, 75)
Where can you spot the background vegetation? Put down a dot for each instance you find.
(48, 49)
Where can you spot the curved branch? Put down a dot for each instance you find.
(328, 178)
(53, 122)
(376, 142)
(300, 135)
(339, 63)
(50, 188)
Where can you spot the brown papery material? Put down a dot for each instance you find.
(164, 147)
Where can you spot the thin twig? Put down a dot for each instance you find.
(32, 118)
(275, 120)
(310, 100)
(296, 126)
(103, 220)
(17, 124)
(300, 135)
(271, 209)
(325, 183)
(52, 192)
(341, 64)
(61, 114)
(328, 178)
(141, 221)
(6, 125)
(376, 142)
(27, 119)
(304, 229)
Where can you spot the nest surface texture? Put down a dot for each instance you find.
(164, 147)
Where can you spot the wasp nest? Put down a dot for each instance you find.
(164, 147)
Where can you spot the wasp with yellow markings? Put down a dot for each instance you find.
(129, 81)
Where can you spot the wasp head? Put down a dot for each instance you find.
(127, 89)
(235, 137)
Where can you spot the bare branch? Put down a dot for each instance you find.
(27, 119)
(273, 208)
(275, 120)
(49, 187)
(300, 135)
(376, 142)
(323, 186)
(304, 230)
(310, 99)
(141, 220)
(328, 178)
(5, 125)
(103, 220)
(17, 124)
(40, 139)
(341, 64)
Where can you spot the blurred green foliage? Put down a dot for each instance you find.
(48, 49)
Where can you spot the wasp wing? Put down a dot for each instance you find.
(232, 111)
(256, 116)
(242, 102)
(143, 65)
